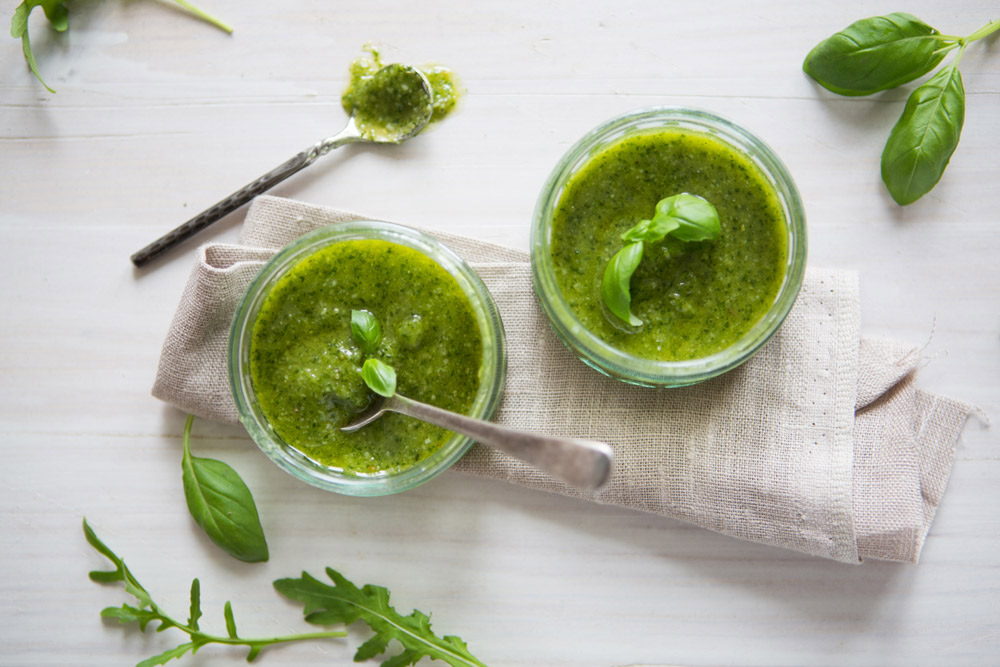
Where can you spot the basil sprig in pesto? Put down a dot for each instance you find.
(685, 217)
(884, 52)
(379, 376)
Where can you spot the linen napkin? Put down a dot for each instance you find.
(821, 443)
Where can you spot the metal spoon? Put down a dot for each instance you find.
(585, 464)
(422, 105)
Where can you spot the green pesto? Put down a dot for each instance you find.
(306, 368)
(445, 90)
(697, 298)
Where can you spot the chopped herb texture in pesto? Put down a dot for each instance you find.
(371, 113)
(305, 363)
(693, 299)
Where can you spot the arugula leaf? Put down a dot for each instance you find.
(925, 136)
(55, 12)
(346, 603)
(167, 656)
(379, 376)
(230, 620)
(221, 503)
(148, 611)
(615, 285)
(58, 16)
(195, 613)
(876, 54)
(366, 331)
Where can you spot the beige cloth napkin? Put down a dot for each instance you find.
(820, 443)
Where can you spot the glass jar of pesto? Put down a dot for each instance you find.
(704, 307)
(294, 367)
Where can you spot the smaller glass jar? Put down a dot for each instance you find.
(619, 364)
(491, 374)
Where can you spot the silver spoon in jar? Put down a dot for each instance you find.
(394, 105)
(585, 464)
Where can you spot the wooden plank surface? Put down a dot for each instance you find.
(158, 115)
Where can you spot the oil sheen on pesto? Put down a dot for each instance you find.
(694, 299)
(392, 105)
(306, 368)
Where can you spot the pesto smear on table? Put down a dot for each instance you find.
(380, 101)
(306, 367)
(696, 298)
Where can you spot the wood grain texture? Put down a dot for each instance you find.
(158, 115)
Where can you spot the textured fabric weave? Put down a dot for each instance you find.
(820, 443)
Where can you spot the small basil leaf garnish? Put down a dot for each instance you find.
(695, 218)
(876, 54)
(652, 230)
(615, 285)
(925, 136)
(221, 503)
(366, 331)
(379, 376)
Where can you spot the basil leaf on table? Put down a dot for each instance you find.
(379, 376)
(615, 285)
(925, 136)
(876, 54)
(221, 503)
(366, 331)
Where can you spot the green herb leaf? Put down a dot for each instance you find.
(129, 614)
(195, 612)
(167, 656)
(55, 12)
(230, 620)
(925, 136)
(58, 16)
(876, 54)
(695, 217)
(651, 230)
(346, 603)
(221, 503)
(148, 612)
(366, 331)
(615, 285)
(379, 376)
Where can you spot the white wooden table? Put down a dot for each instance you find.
(158, 115)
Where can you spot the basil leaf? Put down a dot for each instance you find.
(222, 505)
(615, 285)
(925, 136)
(694, 217)
(652, 230)
(366, 331)
(379, 376)
(876, 54)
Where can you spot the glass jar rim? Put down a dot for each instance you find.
(492, 369)
(628, 367)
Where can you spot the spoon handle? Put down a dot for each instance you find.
(224, 207)
(585, 464)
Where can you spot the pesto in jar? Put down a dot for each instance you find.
(306, 368)
(696, 298)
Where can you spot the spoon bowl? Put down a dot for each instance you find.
(394, 105)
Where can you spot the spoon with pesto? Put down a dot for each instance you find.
(391, 106)
(585, 464)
